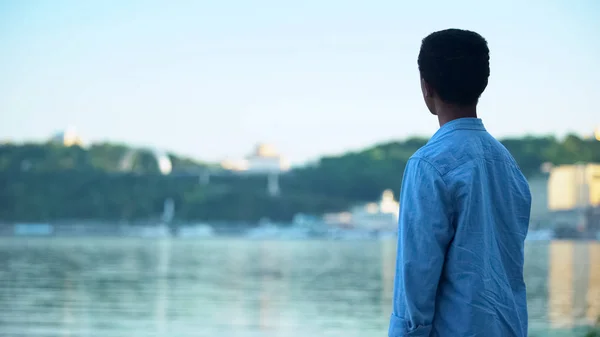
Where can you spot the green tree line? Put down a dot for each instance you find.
(45, 182)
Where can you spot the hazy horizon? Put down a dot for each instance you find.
(253, 146)
(211, 80)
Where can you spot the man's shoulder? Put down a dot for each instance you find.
(432, 150)
(436, 154)
(452, 152)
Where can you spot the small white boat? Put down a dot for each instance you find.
(196, 231)
(264, 231)
(159, 231)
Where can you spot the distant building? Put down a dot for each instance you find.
(574, 187)
(538, 186)
(574, 199)
(382, 215)
(265, 159)
(68, 137)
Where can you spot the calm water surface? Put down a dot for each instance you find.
(171, 287)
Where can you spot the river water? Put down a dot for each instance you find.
(234, 287)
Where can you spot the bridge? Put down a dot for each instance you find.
(203, 175)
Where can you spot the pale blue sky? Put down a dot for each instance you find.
(210, 79)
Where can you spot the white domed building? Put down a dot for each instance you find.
(264, 160)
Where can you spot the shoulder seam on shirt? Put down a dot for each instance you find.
(453, 207)
(433, 166)
(423, 159)
(500, 160)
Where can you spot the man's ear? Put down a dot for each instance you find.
(426, 88)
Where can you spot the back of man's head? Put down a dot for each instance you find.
(456, 64)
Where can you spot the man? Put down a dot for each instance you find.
(464, 209)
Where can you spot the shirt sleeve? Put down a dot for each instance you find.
(424, 233)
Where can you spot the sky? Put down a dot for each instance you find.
(210, 79)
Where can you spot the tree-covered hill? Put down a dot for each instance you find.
(44, 182)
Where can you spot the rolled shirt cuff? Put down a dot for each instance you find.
(399, 328)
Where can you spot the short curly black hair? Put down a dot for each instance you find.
(456, 64)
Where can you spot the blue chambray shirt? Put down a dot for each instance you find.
(464, 214)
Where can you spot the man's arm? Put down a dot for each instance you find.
(425, 230)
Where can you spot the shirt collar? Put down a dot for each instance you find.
(466, 123)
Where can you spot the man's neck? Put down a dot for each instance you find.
(447, 112)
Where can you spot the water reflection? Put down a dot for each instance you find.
(270, 279)
(388, 270)
(574, 284)
(560, 285)
(162, 285)
(67, 313)
(593, 298)
(234, 267)
(101, 287)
